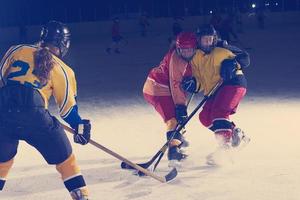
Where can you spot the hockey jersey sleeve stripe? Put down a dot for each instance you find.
(159, 84)
(67, 91)
(67, 113)
(8, 53)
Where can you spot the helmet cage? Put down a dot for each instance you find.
(207, 30)
(186, 53)
(58, 35)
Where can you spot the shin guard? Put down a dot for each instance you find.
(71, 175)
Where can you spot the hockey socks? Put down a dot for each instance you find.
(74, 182)
(72, 178)
(77, 187)
(2, 182)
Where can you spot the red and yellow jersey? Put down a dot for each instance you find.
(206, 67)
(165, 79)
(17, 67)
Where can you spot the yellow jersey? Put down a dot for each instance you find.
(17, 67)
(206, 67)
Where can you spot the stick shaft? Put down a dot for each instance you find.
(114, 154)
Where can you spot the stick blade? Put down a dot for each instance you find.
(124, 165)
(171, 175)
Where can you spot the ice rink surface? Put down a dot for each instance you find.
(110, 94)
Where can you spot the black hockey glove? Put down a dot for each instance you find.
(228, 69)
(222, 43)
(180, 113)
(83, 132)
(189, 84)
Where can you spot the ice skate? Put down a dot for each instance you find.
(78, 194)
(237, 137)
(175, 156)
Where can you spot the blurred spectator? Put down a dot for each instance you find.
(116, 36)
(227, 30)
(239, 21)
(216, 21)
(176, 29)
(144, 23)
(260, 17)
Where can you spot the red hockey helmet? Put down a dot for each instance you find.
(186, 40)
(186, 44)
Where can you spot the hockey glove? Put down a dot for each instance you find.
(180, 113)
(228, 69)
(222, 43)
(189, 84)
(82, 133)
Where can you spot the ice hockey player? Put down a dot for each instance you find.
(115, 36)
(29, 76)
(242, 56)
(162, 89)
(210, 64)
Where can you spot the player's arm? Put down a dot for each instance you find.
(5, 63)
(241, 56)
(64, 92)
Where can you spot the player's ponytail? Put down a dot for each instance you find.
(43, 64)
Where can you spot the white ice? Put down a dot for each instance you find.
(110, 94)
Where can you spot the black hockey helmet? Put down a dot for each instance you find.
(207, 30)
(57, 34)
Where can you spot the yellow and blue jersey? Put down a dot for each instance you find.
(17, 68)
(206, 67)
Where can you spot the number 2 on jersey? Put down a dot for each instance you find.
(24, 68)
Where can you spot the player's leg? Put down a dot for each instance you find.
(225, 103)
(165, 107)
(8, 150)
(55, 147)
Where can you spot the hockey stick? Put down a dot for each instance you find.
(160, 152)
(187, 105)
(178, 128)
(181, 126)
(190, 99)
(170, 176)
(183, 132)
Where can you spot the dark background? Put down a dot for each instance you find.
(35, 12)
